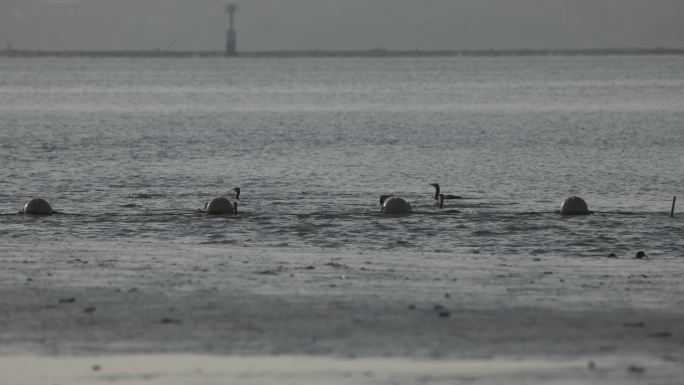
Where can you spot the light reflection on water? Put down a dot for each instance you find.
(134, 146)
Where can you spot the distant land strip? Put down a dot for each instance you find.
(9, 52)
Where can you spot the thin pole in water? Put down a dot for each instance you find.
(673, 203)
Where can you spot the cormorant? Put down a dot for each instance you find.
(439, 198)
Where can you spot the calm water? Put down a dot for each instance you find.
(134, 146)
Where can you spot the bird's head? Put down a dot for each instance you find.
(436, 186)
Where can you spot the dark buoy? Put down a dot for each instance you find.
(574, 206)
(37, 206)
(394, 205)
(220, 205)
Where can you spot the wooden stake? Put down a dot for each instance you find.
(673, 203)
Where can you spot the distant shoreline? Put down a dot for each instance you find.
(351, 53)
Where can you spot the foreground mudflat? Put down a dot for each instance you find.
(119, 298)
(202, 369)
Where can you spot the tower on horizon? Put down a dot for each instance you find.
(231, 41)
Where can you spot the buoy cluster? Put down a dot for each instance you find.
(389, 204)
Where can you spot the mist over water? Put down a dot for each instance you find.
(133, 147)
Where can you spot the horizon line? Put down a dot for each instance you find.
(375, 52)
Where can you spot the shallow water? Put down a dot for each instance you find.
(132, 147)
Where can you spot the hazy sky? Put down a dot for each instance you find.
(342, 24)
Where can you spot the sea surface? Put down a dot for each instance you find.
(130, 148)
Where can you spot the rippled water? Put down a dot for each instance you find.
(129, 148)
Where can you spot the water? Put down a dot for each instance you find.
(133, 146)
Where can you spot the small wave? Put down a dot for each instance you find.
(448, 212)
(483, 233)
(219, 242)
(627, 213)
(143, 196)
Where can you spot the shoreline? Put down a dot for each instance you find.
(204, 369)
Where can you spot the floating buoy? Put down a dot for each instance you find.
(574, 205)
(37, 206)
(220, 205)
(394, 205)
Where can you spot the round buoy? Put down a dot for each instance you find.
(574, 206)
(396, 205)
(218, 206)
(37, 206)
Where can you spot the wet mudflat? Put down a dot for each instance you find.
(101, 299)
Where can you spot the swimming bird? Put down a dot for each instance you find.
(37, 206)
(390, 204)
(439, 198)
